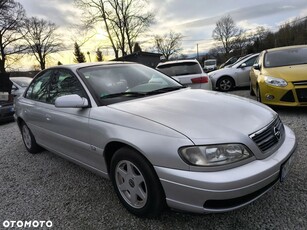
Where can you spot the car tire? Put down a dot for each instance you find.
(136, 183)
(225, 84)
(251, 91)
(258, 95)
(29, 140)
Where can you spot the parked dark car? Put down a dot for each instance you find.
(6, 99)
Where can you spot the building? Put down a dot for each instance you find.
(145, 58)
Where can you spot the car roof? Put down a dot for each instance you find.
(74, 67)
(286, 48)
(177, 61)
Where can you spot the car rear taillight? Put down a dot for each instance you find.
(200, 80)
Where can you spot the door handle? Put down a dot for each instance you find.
(48, 117)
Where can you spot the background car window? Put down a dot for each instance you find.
(251, 61)
(38, 89)
(257, 60)
(177, 69)
(64, 83)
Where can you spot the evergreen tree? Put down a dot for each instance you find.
(79, 56)
(137, 48)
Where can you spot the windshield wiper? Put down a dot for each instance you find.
(142, 94)
(126, 94)
(166, 89)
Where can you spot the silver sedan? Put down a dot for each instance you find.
(159, 142)
(235, 75)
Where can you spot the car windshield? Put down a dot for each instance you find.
(22, 82)
(292, 56)
(126, 81)
(180, 68)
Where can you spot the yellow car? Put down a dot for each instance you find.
(279, 76)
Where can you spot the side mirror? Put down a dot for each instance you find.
(256, 66)
(243, 65)
(71, 101)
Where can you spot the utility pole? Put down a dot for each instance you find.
(197, 52)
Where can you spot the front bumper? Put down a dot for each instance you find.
(293, 94)
(221, 191)
(6, 113)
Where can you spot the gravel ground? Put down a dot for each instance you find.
(46, 187)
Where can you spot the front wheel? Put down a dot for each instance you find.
(136, 184)
(225, 84)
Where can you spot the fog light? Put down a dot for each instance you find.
(269, 96)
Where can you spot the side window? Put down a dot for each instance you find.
(64, 83)
(257, 60)
(251, 61)
(38, 90)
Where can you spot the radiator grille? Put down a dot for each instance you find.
(269, 136)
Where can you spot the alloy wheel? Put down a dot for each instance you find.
(131, 184)
(225, 84)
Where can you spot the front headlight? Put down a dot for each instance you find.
(275, 81)
(214, 155)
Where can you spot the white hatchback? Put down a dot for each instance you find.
(188, 72)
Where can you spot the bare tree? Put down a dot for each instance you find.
(225, 32)
(131, 20)
(168, 44)
(122, 19)
(41, 38)
(12, 15)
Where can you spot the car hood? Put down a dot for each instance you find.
(288, 73)
(200, 114)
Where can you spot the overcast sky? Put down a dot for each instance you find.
(195, 19)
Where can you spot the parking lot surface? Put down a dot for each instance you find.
(45, 187)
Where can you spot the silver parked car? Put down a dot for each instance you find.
(19, 85)
(159, 142)
(235, 75)
(188, 72)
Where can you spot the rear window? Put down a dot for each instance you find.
(292, 56)
(210, 62)
(177, 69)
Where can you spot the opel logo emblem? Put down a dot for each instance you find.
(277, 133)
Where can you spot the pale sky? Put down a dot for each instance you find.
(194, 19)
